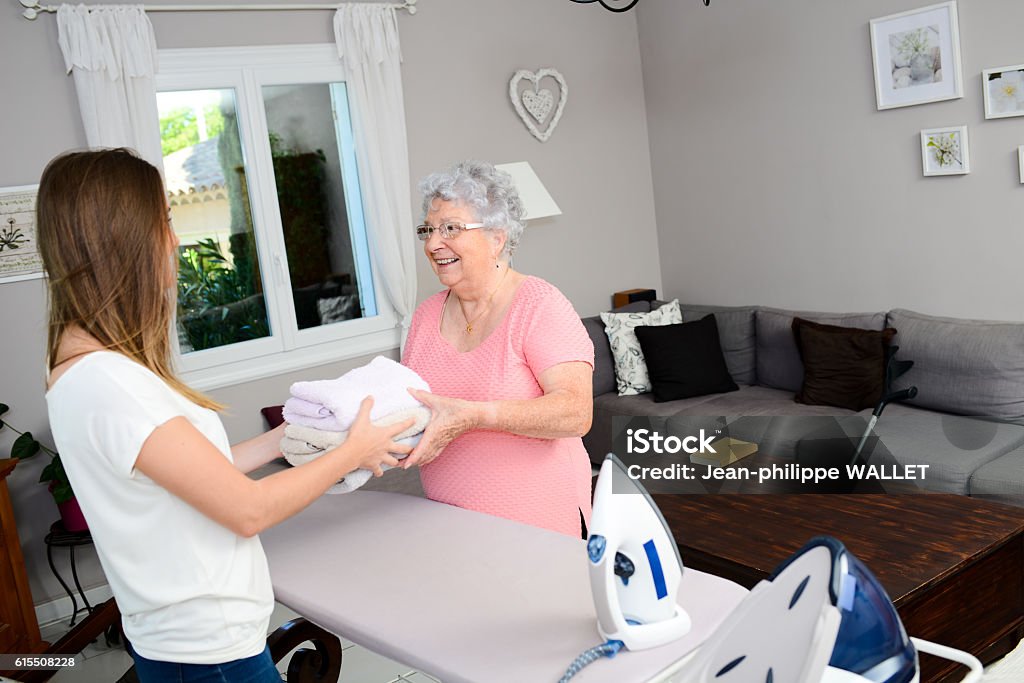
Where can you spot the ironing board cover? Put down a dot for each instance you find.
(462, 596)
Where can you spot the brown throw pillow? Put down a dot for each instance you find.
(843, 366)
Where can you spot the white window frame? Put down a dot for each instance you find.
(246, 70)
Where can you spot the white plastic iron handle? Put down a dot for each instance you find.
(959, 656)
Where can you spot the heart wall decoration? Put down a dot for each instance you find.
(534, 106)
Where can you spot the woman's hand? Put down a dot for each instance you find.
(450, 418)
(372, 445)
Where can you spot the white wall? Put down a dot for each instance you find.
(777, 182)
(459, 56)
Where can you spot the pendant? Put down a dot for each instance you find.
(469, 329)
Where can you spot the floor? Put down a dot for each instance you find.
(101, 664)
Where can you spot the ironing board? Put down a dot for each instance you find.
(462, 596)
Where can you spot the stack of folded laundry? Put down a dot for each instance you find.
(320, 413)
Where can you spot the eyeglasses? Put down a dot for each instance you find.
(448, 230)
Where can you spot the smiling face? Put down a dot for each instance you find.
(467, 259)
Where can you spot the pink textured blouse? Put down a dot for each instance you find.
(543, 482)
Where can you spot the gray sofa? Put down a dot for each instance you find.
(967, 421)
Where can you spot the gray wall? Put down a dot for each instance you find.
(778, 182)
(459, 56)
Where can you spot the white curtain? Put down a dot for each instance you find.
(367, 38)
(111, 51)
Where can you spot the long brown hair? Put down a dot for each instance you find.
(105, 241)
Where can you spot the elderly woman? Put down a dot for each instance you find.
(507, 358)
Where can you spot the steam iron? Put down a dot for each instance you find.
(821, 617)
(635, 567)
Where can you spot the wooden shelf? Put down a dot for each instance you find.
(19, 631)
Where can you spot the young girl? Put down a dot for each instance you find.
(172, 514)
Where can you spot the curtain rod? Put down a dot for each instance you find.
(33, 8)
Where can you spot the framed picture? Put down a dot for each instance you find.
(916, 55)
(19, 256)
(1004, 91)
(1020, 162)
(944, 151)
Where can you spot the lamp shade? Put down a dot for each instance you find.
(537, 202)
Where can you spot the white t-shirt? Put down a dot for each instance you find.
(189, 589)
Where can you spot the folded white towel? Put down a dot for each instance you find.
(302, 444)
(326, 424)
(325, 439)
(299, 406)
(294, 449)
(382, 378)
(352, 480)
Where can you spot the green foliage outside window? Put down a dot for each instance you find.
(180, 127)
(215, 305)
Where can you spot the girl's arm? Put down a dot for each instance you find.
(179, 458)
(259, 450)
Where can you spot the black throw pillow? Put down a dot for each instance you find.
(843, 366)
(685, 360)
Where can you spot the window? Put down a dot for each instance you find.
(275, 268)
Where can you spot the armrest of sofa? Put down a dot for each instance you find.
(604, 365)
(273, 415)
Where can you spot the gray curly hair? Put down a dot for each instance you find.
(490, 192)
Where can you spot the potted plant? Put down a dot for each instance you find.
(26, 446)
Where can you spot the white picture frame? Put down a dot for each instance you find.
(945, 151)
(1003, 88)
(19, 253)
(1020, 162)
(916, 56)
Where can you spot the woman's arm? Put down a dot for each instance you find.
(565, 410)
(180, 459)
(259, 450)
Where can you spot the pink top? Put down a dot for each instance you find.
(543, 482)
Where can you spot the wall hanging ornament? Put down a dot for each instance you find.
(623, 5)
(535, 106)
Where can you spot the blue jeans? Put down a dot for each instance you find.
(257, 669)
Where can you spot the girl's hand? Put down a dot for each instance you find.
(373, 446)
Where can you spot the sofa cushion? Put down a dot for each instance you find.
(604, 366)
(736, 332)
(843, 366)
(761, 415)
(954, 447)
(778, 361)
(630, 369)
(1001, 480)
(274, 415)
(968, 367)
(685, 360)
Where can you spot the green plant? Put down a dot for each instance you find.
(216, 304)
(26, 446)
(179, 127)
(300, 178)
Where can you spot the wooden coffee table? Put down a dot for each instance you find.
(953, 565)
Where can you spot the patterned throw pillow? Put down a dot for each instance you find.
(630, 369)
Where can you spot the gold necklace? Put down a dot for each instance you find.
(487, 307)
